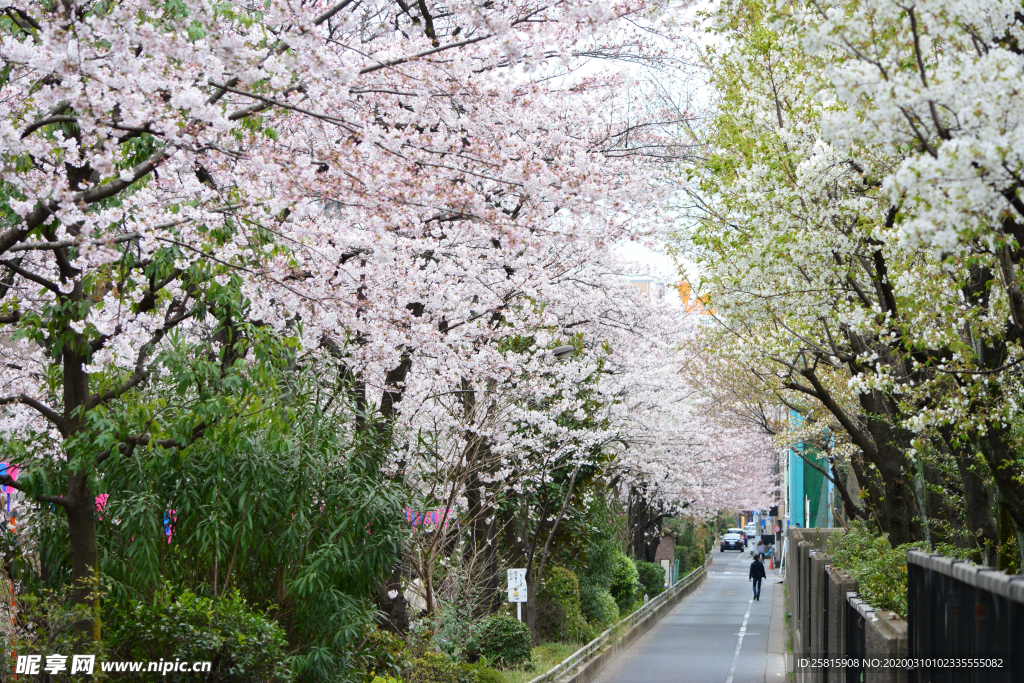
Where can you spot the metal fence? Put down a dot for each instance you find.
(956, 610)
(857, 614)
(577, 659)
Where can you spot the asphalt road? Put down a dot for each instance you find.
(718, 634)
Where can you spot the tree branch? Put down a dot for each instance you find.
(29, 275)
(856, 435)
(7, 480)
(46, 411)
(36, 125)
(197, 433)
(331, 12)
(44, 210)
(63, 244)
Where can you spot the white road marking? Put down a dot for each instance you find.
(739, 643)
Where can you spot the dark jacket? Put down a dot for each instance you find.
(757, 570)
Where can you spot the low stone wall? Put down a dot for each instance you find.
(802, 542)
(839, 584)
(822, 603)
(885, 636)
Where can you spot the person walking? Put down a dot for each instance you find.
(756, 574)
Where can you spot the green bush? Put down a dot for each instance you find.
(651, 577)
(598, 568)
(692, 542)
(598, 606)
(437, 667)
(596, 573)
(504, 641)
(383, 654)
(243, 644)
(880, 569)
(46, 625)
(625, 586)
(484, 674)
(558, 608)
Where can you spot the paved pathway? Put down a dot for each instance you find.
(718, 634)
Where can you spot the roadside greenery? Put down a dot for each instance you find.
(242, 644)
(651, 577)
(879, 568)
(625, 586)
(560, 618)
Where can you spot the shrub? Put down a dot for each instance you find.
(243, 644)
(598, 606)
(504, 641)
(651, 577)
(383, 654)
(692, 543)
(625, 586)
(558, 608)
(484, 674)
(45, 625)
(598, 568)
(433, 667)
(437, 667)
(596, 575)
(880, 569)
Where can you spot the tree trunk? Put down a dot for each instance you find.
(395, 609)
(884, 446)
(1004, 468)
(978, 500)
(81, 505)
(900, 506)
(81, 512)
(530, 608)
(1004, 557)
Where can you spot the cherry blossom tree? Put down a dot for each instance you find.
(937, 96)
(846, 279)
(187, 185)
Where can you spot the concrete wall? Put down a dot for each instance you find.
(818, 599)
(839, 584)
(799, 592)
(885, 635)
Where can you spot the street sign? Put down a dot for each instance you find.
(777, 529)
(517, 590)
(517, 585)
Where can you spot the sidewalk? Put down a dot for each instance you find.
(775, 664)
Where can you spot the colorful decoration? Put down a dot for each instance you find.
(431, 517)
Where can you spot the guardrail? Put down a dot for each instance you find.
(623, 626)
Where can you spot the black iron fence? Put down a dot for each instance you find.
(857, 613)
(956, 610)
(965, 624)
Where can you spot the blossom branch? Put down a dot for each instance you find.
(46, 411)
